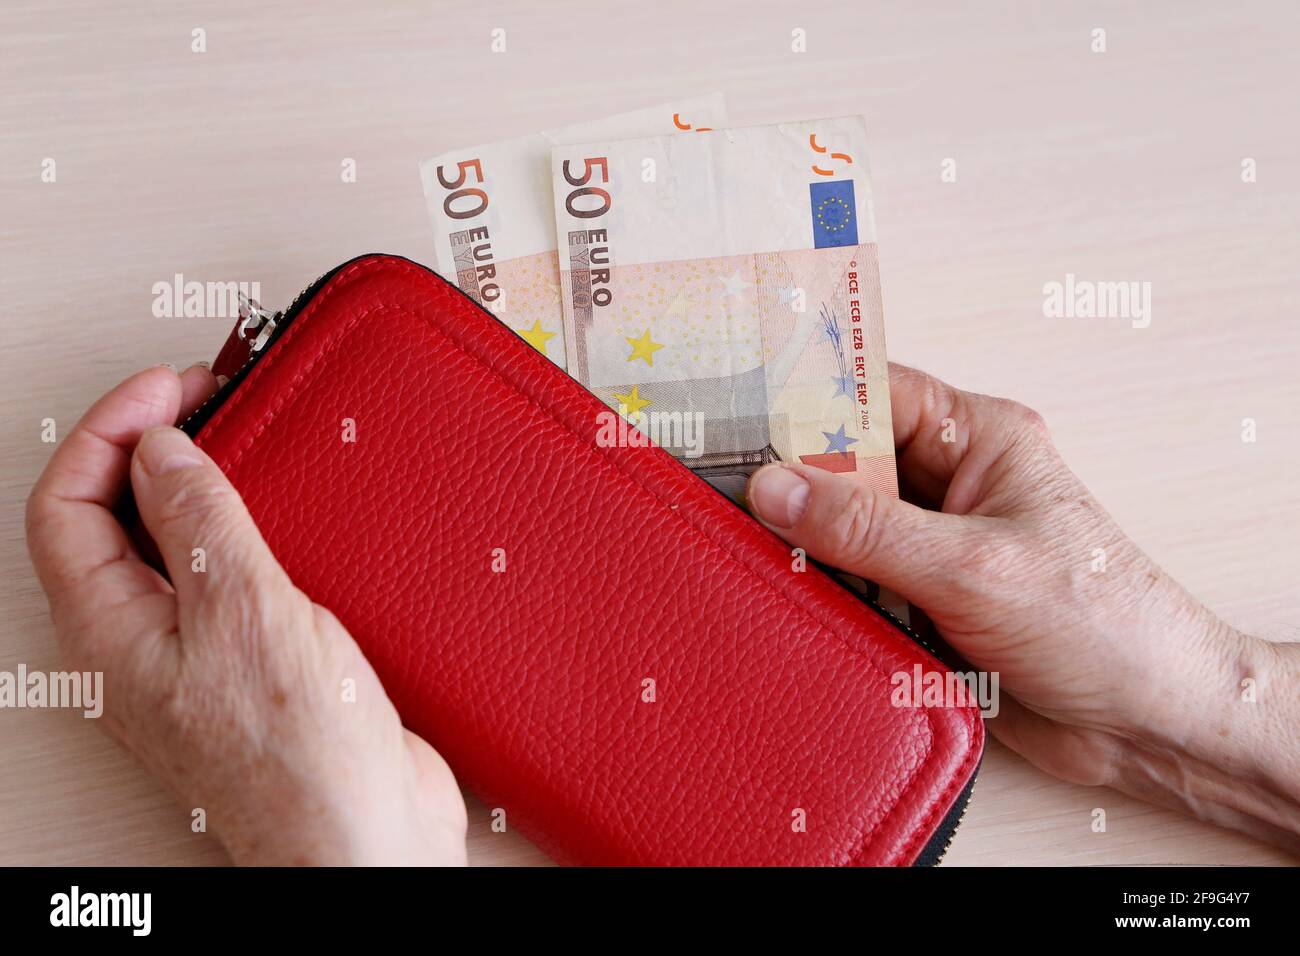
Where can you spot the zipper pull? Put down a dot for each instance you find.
(254, 321)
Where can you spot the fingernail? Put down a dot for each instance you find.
(167, 449)
(222, 379)
(167, 365)
(202, 363)
(779, 496)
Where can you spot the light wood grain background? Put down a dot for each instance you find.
(1117, 166)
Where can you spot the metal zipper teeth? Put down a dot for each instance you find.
(285, 316)
(281, 319)
(926, 645)
(970, 795)
(902, 625)
(960, 817)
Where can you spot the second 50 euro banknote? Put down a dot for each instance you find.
(493, 224)
(723, 290)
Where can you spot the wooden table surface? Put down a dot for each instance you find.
(1117, 166)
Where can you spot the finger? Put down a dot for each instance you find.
(947, 439)
(1076, 754)
(919, 402)
(927, 441)
(197, 385)
(866, 532)
(187, 503)
(72, 534)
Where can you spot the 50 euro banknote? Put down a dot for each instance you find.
(722, 291)
(493, 221)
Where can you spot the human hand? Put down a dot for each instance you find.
(1116, 676)
(226, 683)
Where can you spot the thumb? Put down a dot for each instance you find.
(204, 533)
(856, 528)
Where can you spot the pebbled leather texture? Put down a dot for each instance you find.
(772, 687)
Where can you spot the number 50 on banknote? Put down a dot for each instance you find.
(493, 227)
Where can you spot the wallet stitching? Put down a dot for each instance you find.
(335, 340)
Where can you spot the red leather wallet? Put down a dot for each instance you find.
(520, 589)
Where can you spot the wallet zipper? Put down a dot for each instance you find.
(947, 829)
(948, 826)
(266, 328)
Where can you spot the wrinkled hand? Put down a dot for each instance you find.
(1110, 673)
(227, 682)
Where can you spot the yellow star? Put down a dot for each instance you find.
(538, 337)
(631, 404)
(643, 348)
